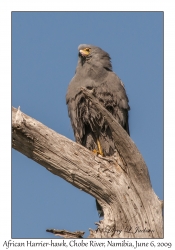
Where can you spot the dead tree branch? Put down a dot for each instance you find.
(66, 234)
(120, 183)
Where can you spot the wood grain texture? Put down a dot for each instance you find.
(120, 183)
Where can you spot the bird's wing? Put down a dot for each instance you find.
(111, 93)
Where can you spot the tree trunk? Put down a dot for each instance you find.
(120, 183)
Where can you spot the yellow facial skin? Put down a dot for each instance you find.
(85, 52)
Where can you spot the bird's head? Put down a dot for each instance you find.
(97, 55)
(84, 50)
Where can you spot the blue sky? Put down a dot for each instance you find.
(44, 58)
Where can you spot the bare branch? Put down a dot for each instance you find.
(120, 183)
(66, 234)
(58, 154)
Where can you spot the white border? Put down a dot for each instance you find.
(5, 94)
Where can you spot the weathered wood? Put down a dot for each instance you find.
(66, 234)
(121, 183)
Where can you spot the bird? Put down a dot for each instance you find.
(94, 72)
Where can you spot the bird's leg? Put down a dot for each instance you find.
(99, 147)
(99, 151)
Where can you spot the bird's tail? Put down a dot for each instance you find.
(99, 209)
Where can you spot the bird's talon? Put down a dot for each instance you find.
(97, 152)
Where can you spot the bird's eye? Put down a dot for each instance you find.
(87, 49)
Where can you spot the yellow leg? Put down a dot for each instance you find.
(99, 147)
(99, 151)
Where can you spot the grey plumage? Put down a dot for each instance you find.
(94, 71)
